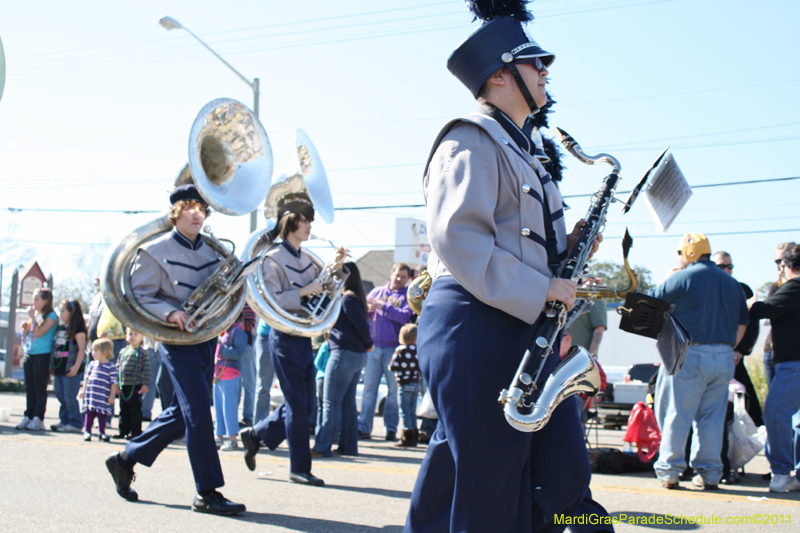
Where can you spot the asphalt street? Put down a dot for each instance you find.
(57, 482)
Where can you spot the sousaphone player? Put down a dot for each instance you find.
(183, 289)
(290, 277)
(165, 273)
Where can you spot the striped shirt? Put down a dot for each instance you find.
(99, 378)
(134, 370)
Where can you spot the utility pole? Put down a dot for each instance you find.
(11, 334)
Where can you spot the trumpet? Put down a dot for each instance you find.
(418, 291)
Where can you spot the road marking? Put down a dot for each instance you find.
(722, 496)
(413, 471)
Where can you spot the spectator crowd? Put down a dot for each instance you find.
(374, 341)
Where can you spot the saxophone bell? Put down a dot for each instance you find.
(576, 374)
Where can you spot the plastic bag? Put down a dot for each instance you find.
(643, 431)
(108, 326)
(745, 440)
(425, 409)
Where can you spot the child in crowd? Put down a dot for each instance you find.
(231, 349)
(406, 370)
(69, 351)
(99, 388)
(133, 368)
(38, 334)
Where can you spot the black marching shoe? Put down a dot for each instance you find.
(216, 503)
(391, 436)
(123, 477)
(251, 446)
(363, 435)
(306, 479)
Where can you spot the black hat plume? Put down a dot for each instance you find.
(554, 166)
(487, 10)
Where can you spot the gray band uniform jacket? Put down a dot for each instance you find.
(287, 270)
(167, 270)
(485, 216)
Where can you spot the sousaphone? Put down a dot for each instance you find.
(230, 161)
(303, 181)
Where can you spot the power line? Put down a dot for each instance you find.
(712, 234)
(605, 238)
(294, 45)
(280, 25)
(705, 186)
(365, 207)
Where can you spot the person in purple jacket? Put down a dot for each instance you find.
(388, 312)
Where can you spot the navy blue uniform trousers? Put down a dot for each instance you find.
(480, 474)
(293, 360)
(189, 414)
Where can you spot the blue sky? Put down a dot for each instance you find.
(99, 101)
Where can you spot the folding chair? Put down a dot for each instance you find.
(591, 419)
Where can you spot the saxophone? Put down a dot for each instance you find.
(578, 372)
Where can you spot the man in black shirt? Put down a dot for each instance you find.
(782, 406)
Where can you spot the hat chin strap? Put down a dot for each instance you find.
(508, 59)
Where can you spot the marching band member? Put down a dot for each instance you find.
(496, 226)
(290, 276)
(165, 273)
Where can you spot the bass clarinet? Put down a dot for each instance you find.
(578, 372)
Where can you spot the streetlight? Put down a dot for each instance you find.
(170, 23)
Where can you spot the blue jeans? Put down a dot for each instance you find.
(339, 402)
(66, 390)
(247, 367)
(696, 396)
(320, 393)
(149, 398)
(407, 398)
(226, 406)
(769, 367)
(782, 418)
(377, 366)
(265, 374)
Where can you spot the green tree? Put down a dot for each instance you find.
(763, 290)
(12, 255)
(614, 274)
(80, 286)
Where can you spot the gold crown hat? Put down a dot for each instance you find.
(693, 246)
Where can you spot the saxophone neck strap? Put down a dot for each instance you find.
(553, 262)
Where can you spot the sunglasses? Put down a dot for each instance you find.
(778, 262)
(726, 267)
(535, 62)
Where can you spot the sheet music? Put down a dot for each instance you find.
(667, 193)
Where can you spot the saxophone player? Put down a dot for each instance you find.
(496, 226)
(165, 273)
(291, 276)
